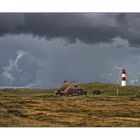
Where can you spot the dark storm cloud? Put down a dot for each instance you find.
(87, 27)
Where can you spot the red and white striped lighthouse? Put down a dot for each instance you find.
(123, 83)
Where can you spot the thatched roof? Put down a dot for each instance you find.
(69, 85)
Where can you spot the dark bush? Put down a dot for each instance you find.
(96, 92)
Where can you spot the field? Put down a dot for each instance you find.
(40, 107)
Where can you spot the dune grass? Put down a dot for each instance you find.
(40, 107)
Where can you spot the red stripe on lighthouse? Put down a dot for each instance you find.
(124, 78)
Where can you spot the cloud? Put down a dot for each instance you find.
(13, 66)
(86, 27)
(46, 63)
(34, 52)
(133, 81)
(20, 53)
(119, 42)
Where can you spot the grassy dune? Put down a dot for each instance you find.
(39, 107)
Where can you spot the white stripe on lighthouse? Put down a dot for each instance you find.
(123, 83)
(123, 75)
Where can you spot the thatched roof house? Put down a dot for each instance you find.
(70, 88)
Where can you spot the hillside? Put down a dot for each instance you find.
(111, 89)
(40, 107)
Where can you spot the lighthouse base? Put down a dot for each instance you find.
(123, 84)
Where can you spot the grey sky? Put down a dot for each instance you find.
(42, 50)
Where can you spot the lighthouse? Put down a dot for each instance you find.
(123, 82)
